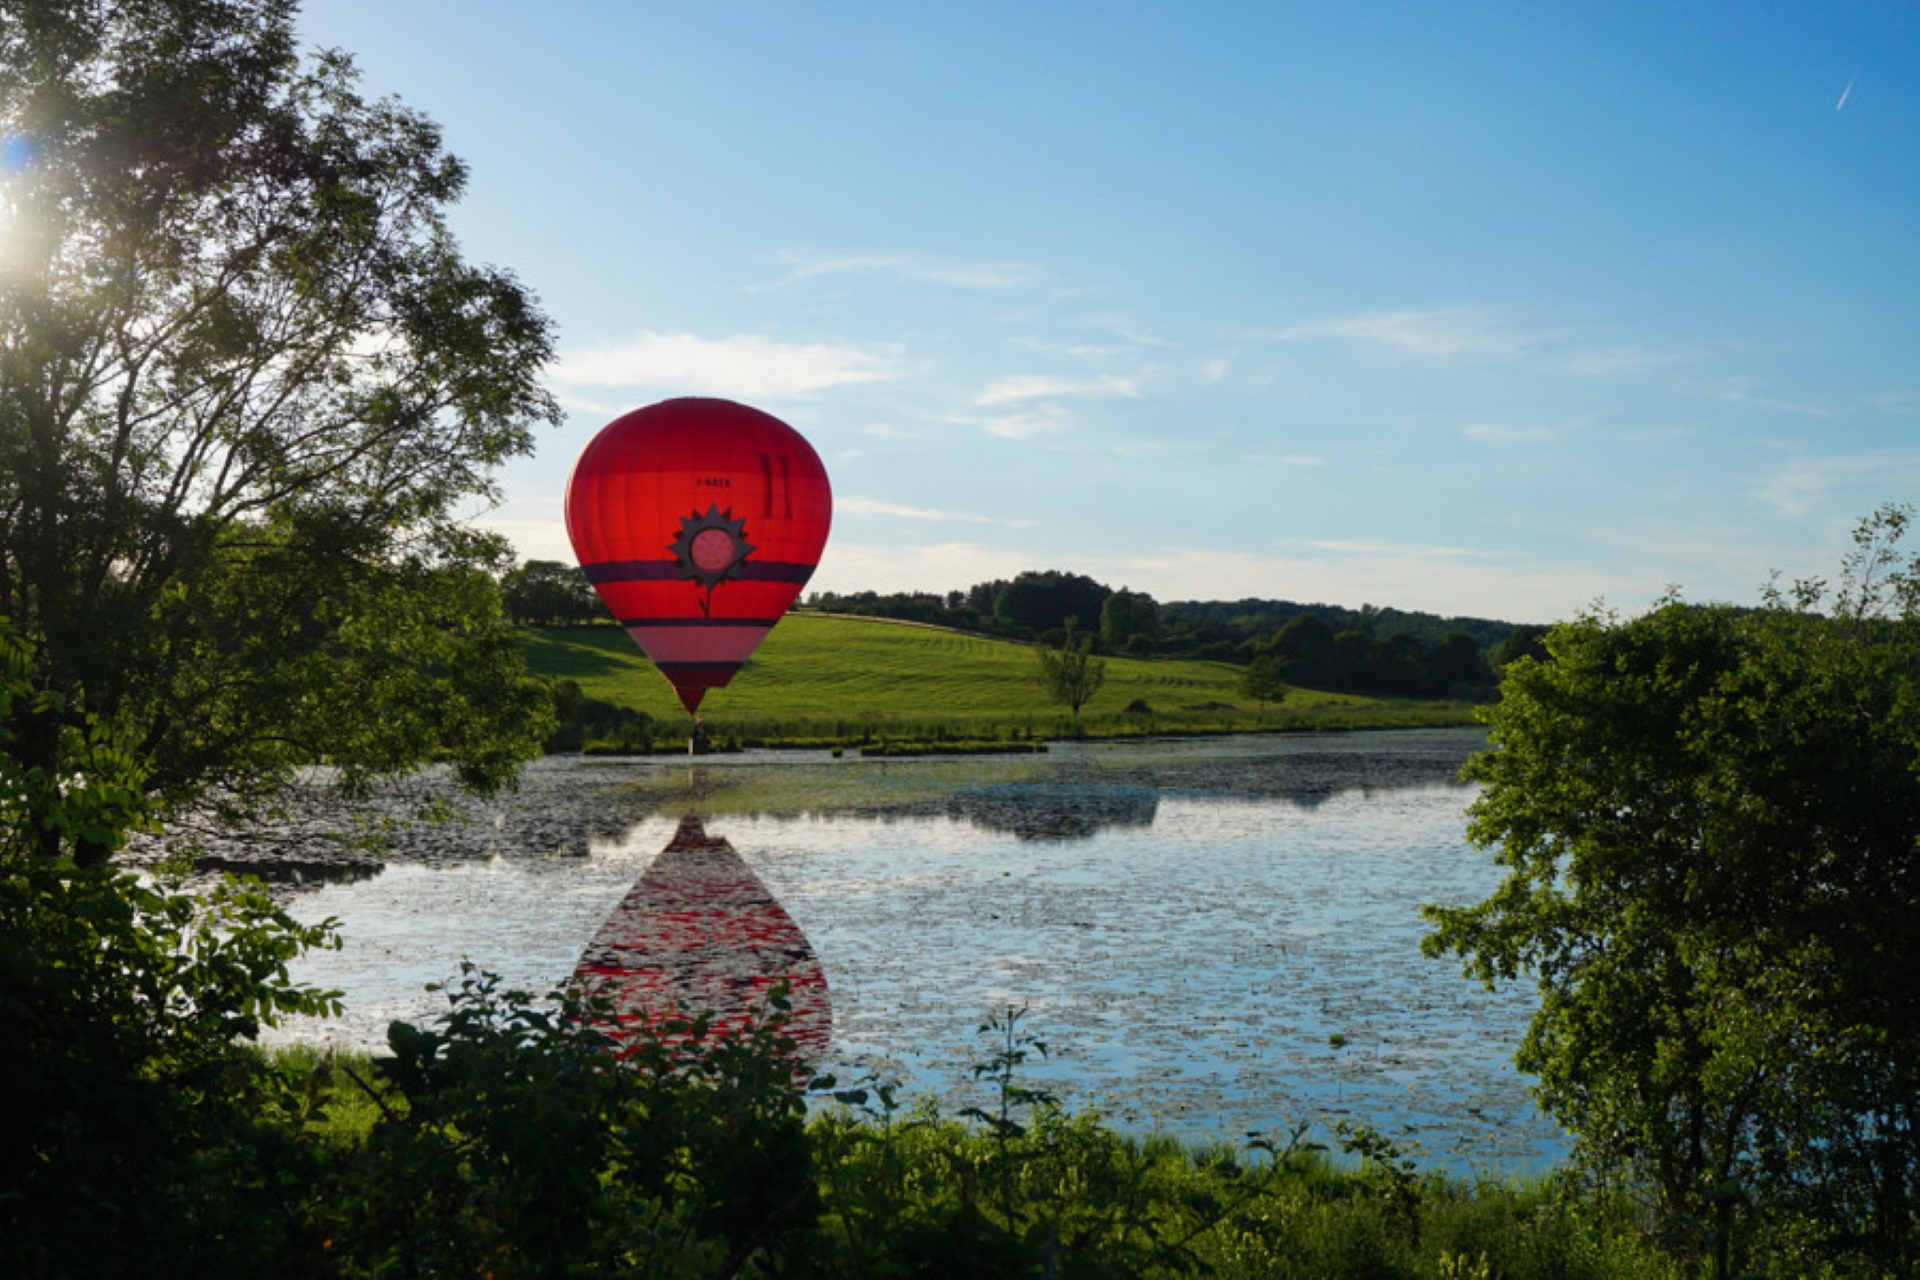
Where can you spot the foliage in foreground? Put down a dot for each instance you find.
(136, 1125)
(1710, 821)
(509, 1141)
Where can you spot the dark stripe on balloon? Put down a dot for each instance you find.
(671, 669)
(668, 570)
(698, 622)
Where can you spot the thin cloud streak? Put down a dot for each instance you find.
(804, 265)
(1021, 388)
(1622, 361)
(851, 505)
(1448, 333)
(1400, 550)
(1039, 419)
(1797, 487)
(743, 365)
(1490, 434)
(1737, 393)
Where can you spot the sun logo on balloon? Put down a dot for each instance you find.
(709, 549)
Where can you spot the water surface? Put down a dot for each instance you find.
(1187, 924)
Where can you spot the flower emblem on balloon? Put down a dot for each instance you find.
(710, 547)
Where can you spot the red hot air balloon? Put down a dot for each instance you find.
(698, 521)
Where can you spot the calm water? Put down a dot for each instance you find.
(1186, 924)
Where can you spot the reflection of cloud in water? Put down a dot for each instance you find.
(700, 933)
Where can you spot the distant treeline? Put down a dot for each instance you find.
(1323, 646)
(1320, 646)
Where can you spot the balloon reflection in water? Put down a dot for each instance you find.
(698, 929)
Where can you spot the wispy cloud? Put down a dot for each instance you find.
(1448, 333)
(1021, 389)
(807, 264)
(1798, 487)
(1845, 93)
(1155, 448)
(854, 505)
(1035, 420)
(1489, 433)
(1618, 361)
(1286, 460)
(1375, 548)
(741, 365)
(1738, 391)
(1906, 404)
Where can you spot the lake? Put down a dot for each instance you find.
(1186, 923)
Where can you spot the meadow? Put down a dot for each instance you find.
(834, 680)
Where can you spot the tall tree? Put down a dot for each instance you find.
(1042, 601)
(1710, 824)
(1304, 647)
(1455, 659)
(1129, 622)
(551, 593)
(247, 385)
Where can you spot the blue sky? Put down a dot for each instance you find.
(1497, 310)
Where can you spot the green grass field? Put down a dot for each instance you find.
(853, 679)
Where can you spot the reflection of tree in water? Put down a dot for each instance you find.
(320, 836)
(565, 806)
(1054, 811)
(1302, 777)
(289, 872)
(1078, 800)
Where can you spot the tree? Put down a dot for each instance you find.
(550, 593)
(1042, 601)
(1070, 674)
(1454, 660)
(1394, 665)
(1304, 646)
(1262, 680)
(1710, 824)
(1528, 640)
(247, 386)
(1129, 622)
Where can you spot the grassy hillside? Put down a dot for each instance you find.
(855, 678)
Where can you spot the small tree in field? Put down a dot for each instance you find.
(1262, 680)
(1070, 674)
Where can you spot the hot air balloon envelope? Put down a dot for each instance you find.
(698, 521)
